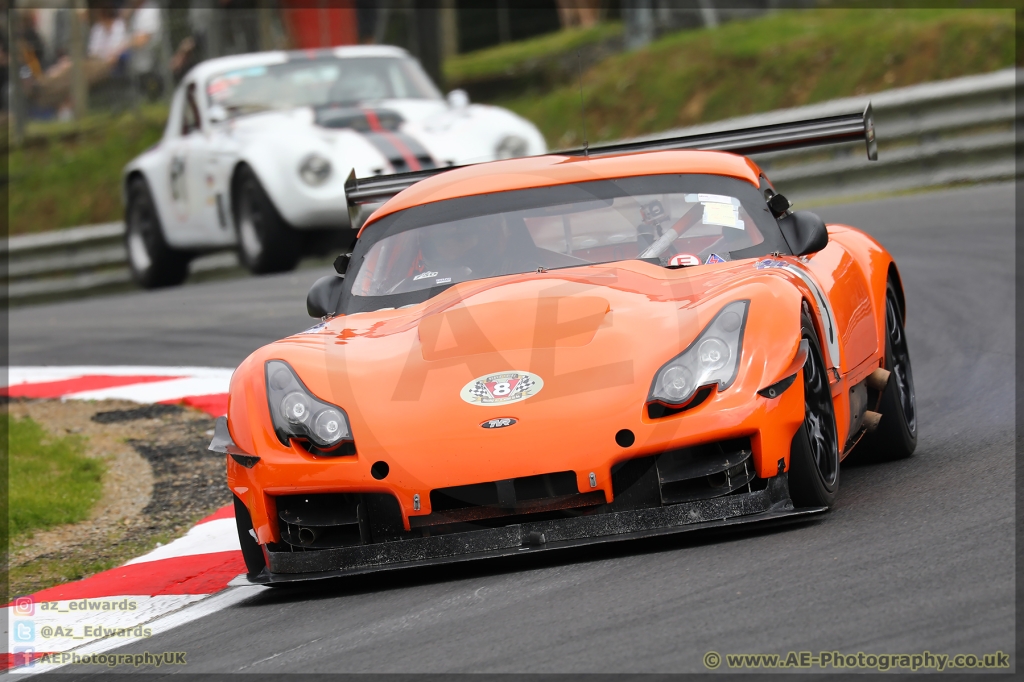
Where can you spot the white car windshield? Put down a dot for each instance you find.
(667, 219)
(318, 82)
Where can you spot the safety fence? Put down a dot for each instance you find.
(936, 134)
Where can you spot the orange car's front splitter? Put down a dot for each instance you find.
(768, 506)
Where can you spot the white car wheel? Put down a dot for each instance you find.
(137, 252)
(153, 263)
(250, 241)
(266, 243)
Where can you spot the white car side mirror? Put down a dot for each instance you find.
(458, 99)
(217, 114)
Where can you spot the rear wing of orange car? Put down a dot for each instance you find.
(758, 139)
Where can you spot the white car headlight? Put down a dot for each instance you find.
(315, 170)
(296, 413)
(511, 147)
(713, 358)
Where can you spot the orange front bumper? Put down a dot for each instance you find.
(284, 470)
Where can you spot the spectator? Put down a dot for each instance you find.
(30, 46)
(143, 19)
(108, 38)
(195, 47)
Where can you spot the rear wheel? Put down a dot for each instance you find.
(896, 435)
(814, 452)
(266, 243)
(152, 261)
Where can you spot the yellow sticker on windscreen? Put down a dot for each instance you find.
(725, 215)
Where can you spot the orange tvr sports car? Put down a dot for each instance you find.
(541, 353)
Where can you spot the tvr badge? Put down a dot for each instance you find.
(499, 423)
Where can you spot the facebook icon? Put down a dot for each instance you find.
(24, 655)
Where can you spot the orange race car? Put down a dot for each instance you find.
(534, 354)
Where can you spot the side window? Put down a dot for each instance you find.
(189, 111)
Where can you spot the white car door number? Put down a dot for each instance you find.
(179, 183)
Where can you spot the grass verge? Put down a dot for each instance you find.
(523, 55)
(159, 480)
(51, 481)
(66, 175)
(783, 59)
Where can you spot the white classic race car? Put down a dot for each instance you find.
(258, 147)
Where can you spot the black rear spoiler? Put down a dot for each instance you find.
(746, 141)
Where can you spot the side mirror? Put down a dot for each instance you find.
(458, 99)
(804, 232)
(341, 263)
(778, 205)
(217, 114)
(324, 297)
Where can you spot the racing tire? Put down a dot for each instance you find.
(255, 562)
(896, 435)
(814, 451)
(153, 263)
(266, 243)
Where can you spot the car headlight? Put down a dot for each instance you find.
(713, 358)
(296, 413)
(511, 147)
(315, 170)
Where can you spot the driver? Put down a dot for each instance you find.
(464, 249)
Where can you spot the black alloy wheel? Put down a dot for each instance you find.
(814, 452)
(153, 263)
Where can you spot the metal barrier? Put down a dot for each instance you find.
(929, 135)
(62, 262)
(935, 134)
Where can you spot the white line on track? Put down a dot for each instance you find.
(219, 535)
(154, 392)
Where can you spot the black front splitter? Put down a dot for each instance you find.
(764, 507)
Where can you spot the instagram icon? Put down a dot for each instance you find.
(24, 606)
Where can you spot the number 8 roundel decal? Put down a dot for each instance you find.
(501, 388)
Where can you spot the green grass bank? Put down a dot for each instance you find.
(784, 59)
(51, 481)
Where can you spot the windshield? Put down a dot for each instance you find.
(676, 220)
(316, 82)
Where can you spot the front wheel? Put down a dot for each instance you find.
(266, 243)
(252, 553)
(152, 261)
(814, 452)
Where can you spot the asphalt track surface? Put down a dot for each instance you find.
(916, 555)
